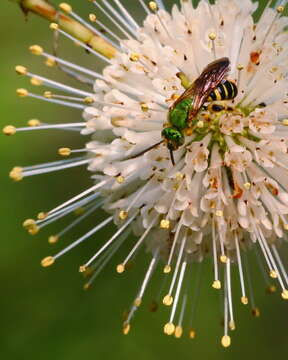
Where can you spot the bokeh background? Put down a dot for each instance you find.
(44, 313)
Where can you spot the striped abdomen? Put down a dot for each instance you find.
(224, 91)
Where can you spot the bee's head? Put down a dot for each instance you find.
(173, 137)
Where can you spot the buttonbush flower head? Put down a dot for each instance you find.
(220, 195)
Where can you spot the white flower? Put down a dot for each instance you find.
(228, 189)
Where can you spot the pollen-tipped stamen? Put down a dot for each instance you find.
(168, 299)
(177, 294)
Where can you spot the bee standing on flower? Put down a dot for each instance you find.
(221, 82)
(185, 109)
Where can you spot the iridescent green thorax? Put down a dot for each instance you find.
(179, 114)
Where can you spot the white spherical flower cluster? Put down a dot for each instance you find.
(220, 192)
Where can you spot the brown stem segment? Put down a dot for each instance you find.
(66, 23)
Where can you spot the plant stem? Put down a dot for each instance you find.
(66, 23)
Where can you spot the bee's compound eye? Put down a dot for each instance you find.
(217, 107)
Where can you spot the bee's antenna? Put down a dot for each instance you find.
(146, 150)
(172, 157)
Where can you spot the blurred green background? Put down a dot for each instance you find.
(44, 312)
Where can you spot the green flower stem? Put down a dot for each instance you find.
(66, 23)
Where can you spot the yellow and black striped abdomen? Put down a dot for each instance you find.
(224, 91)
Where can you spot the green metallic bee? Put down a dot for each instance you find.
(208, 87)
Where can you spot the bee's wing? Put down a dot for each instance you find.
(210, 78)
(187, 94)
(202, 87)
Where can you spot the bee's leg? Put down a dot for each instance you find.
(185, 82)
(172, 156)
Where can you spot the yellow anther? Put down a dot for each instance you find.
(120, 179)
(168, 300)
(256, 312)
(88, 100)
(36, 50)
(48, 261)
(219, 213)
(22, 92)
(88, 272)
(212, 36)
(144, 107)
(82, 268)
(247, 186)
(285, 226)
(21, 70)
(86, 286)
(200, 124)
(271, 289)
(65, 151)
(28, 223)
(34, 230)
(244, 300)
(232, 325)
(175, 97)
(169, 329)
(65, 7)
(153, 6)
(36, 81)
(226, 341)
(284, 294)
(137, 302)
(273, 274)
(134, 57)
(92, 17)
(223, 259)
(165, 224)
(123, 215)
(9, 130)
(285, 122)
(240, 67)
(42, 215)
(50, 62)
(126, 329)
(54, 26)
(178, 332)
(31, 226)
(280, 9)
(53, 239)
(16, 174)
(167, 269)
(120, 268)
(192, 334)
(212, 205)
(117, 121)
(17, 168)
(179, 176)
(216, 284)
(48, 94)
(34, 122)
(188, 131)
